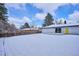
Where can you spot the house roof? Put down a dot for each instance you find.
(30, 29)
(62, 25)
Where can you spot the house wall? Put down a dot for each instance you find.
(48, 31)
(63, 30)
(74, 30)
(71, 30)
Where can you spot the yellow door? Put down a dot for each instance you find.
(66, 30)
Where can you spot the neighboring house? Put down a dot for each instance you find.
(61, 29)
(28, 30)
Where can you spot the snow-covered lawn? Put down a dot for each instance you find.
(1, 47)
(41, 45)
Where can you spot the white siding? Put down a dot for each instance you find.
(63, 30)
(72, 30)
(48, 31)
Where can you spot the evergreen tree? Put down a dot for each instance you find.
(3, 12)
(48, 20)
(26, 25)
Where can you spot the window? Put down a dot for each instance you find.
(0, 30)
(58, 30)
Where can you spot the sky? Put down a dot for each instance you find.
(34, 13)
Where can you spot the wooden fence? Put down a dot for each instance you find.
(18, 32)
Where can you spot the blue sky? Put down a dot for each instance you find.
(34, 13)
(64, 11)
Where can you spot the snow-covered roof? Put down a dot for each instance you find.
(30, 29)
(62, 25)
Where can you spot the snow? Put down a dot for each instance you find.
(1, 47)
(30, 29)
(62, 25)
(41, 45)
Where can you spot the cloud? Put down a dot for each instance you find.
(26, 19)
(40, 16)
(48, 7)
(18, 22)
(17, 6)
(38, 26)
(74, 17)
